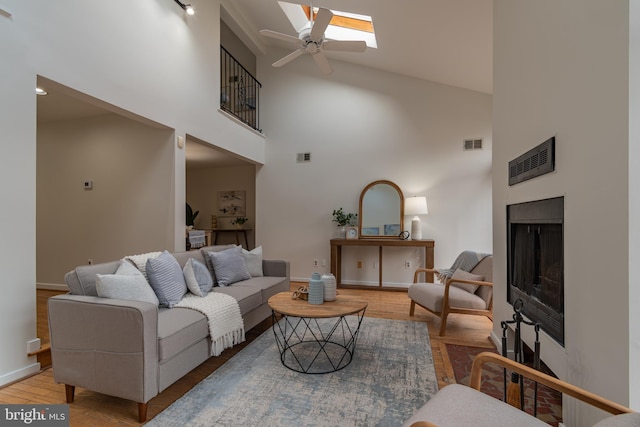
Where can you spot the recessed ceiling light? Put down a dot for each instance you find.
(40, 91)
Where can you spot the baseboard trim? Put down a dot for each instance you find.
(19, 374)
(52, 287)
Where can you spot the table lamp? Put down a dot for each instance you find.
(416, 205)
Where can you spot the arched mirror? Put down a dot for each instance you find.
(381, 211)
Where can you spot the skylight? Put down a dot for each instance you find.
(343, 26)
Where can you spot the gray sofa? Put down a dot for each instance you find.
(135, 350)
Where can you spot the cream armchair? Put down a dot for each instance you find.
(460, 294)
(459, 405)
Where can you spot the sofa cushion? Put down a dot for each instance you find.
(197, 276)
(166, 279)
(183, 257)
(253, 259)
(465, 275)
(127, 283)
(229, 266)
(248, 297)
(268, 286)
(178, 329)
(459, 405)
(82, 280)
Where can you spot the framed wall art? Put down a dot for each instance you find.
(232, 203)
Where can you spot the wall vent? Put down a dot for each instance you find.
(535, 162)
(303, 157)
(472, 144)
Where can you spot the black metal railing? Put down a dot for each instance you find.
(239, 91)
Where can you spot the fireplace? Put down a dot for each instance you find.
(535, 267)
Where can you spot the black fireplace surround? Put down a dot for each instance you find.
(535, 267)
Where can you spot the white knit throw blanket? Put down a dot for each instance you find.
(226, 327)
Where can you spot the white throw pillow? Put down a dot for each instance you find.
(127, 283)
(465, 275)
(197, 276)
(253, 259)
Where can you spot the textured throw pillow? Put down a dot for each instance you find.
(166, 279)
(464, 275)
(197, 276)
(253, 259)
(229, 266)
(127, 283)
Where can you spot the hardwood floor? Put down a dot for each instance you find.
(94, 409)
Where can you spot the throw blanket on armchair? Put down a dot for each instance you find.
(226, 327)
(466, 261)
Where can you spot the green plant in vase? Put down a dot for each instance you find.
(343, 220)
(239, 221)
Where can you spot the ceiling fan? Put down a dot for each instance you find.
(311, 40)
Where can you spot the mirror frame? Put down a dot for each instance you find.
(362, 194)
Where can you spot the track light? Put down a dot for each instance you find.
(187, 7)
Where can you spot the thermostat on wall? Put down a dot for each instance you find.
(88, 185)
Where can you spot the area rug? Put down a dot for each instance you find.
(391, 376)
(549, 401)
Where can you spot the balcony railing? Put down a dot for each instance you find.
(239, 91)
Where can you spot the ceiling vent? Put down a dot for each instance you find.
(538, 161)
(303, 157)
(472, 144)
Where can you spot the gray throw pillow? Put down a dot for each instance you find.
(464, 275)
(127, 283)
(229, 266)
(253, 259)
(197, 276)
(166, 279)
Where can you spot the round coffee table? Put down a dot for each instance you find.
(316, 339)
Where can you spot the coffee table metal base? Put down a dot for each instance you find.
(316, 346)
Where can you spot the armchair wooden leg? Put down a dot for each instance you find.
(412, 309)
(69, 391)
(142, 412)
(443, 322)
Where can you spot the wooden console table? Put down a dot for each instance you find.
(336, 256)
(237, 232)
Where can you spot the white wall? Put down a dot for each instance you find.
(362, 125)
(144, 57)
(634, 203)
(130, 206)
(561, 68)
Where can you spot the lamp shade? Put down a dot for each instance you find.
(416, 205)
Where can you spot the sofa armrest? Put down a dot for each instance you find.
(105, 345)
(275, 268)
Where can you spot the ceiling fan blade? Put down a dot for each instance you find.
(345, 45)
(321, 23)
(322, 62)
(293, 55)
(280, 36)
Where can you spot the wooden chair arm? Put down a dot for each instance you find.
(422, 270)
(542, 378)
(423, 424)
(473, 282)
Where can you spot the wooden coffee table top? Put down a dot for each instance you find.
(342, 306)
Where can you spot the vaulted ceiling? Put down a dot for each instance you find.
(445, 41)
